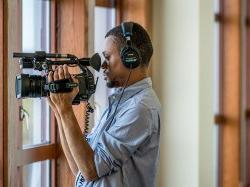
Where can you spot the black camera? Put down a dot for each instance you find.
(33, 86)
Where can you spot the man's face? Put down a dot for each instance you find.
(115, 73)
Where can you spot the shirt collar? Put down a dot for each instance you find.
(131, 90)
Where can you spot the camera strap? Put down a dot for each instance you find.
(60, 86)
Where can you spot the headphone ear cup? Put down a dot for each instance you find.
(130, 57)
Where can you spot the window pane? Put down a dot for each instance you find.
(104, 21)
(36, 174)
(35, 37)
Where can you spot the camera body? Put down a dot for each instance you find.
(34, 86)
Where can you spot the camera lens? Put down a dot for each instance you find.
(30, 86)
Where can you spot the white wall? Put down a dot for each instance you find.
(183, 80)
(207, 129)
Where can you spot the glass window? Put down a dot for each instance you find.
(36, 174)
(35, 37)
(104, 21)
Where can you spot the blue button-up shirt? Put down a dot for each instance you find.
(126, 148)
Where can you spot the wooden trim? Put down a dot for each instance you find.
(18, 126)
(118, 12)
(53, 50)
(245, 123)
(53, 131)
(106, 3)
(139, 11)
(53, 27)
(148, 26)
(13, 43)
(36, 154)
(1, 92)
(230, 99)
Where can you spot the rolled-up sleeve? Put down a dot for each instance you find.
(128, 132)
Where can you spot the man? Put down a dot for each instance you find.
(123, 149)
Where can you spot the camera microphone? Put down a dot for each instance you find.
(94, 61)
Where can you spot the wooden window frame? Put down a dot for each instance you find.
(2, 93)
(106, 3)
(53, 127)
(117, 4)
(14, 156)
(229, 117)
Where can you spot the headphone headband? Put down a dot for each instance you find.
(127, 29)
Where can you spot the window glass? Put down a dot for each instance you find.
(36, 174)
(35, 37)
(104, 21)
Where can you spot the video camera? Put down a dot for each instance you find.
(33, 86)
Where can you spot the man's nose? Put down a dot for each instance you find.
(104, 65)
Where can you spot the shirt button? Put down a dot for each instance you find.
(113, 97)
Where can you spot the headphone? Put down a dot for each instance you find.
(130, 55)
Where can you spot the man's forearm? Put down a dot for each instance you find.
(79, 147)
(65, 147)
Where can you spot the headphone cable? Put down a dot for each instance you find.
(126, 83)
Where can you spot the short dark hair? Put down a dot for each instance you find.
(140, 39)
